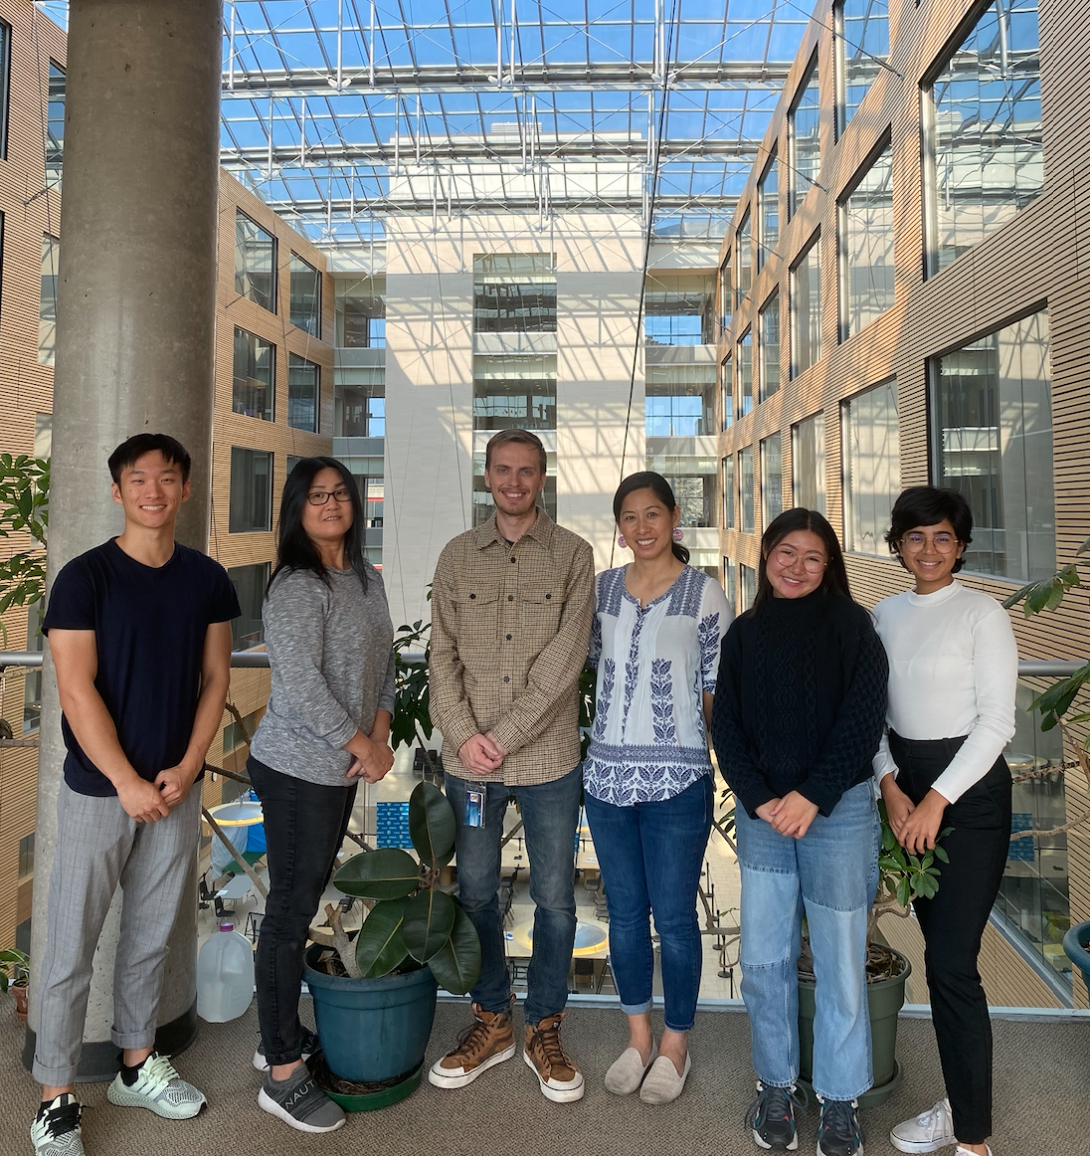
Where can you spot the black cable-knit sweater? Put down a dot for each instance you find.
(800, 701)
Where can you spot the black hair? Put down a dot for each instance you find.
(294, 548)
(660, 487)
(835, 578)
(928, 506)
(126, 454)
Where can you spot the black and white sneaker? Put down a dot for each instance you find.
(56, 1128)
(772, 1117)
(840, 1132)
(310, 1046)
(300, 1103)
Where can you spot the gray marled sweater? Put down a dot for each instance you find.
(330, 649)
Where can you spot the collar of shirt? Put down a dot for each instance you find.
(541, 531)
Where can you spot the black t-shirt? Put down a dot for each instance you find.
(150, 625)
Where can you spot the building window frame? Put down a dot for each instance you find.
(249, 493)
(244, 273)
(814, 347)
(844, 268)
(796, 195)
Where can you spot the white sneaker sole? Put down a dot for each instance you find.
(265, 1101)
(262, 1065)
(123, 1098)
(439, 1077)
(564, 1095)
(920, 1145)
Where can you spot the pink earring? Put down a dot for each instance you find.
(679, 533)
(621, 542)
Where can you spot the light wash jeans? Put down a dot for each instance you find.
(831, 875)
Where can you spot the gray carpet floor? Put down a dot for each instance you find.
(1042, 1100)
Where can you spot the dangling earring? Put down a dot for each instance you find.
(621, 542)
(678, 534)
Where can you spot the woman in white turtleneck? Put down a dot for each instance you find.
(953, 667)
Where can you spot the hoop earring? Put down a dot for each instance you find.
(621, 542)
(678, 534)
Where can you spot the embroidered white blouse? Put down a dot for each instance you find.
(654, 664)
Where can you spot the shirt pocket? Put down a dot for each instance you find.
(478, 617)
(539, 610)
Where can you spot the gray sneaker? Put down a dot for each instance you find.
(56, 1130)
(300, 1103)
(158, 1088)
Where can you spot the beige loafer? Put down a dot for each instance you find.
(626, 1073)
(662, 1084)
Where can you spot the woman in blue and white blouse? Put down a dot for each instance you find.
(655, 642)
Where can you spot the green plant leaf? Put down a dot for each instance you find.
(431, 825)
(387, 873)
(457, 963)
(941, 855)
(904, 892)
(429, 919)
(380, 945)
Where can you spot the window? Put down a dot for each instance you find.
(726, 371)
(770, 346)
(514, 293)
(728, 492)
(803, 129)
(679, 309)
(680, 401)
(54, 126)
(806, 308)
(862, 40)
(249, 582)
(26, 856)
(747, 581)
(5, 84)
(730, 581)
(305, 305)
(771, 479)
(872, 467)
(32, 686)
(47, 317)
(694, 493)
(993, 442)
(360, 311)
(359, 401)
(866, 246)
(304, 378)
(745, 472)
(234, 736)
(768, 198)
(514, 392)
(253, 389)
(255, 262)
(983, 130)
(745, 373)
(373, 496)
(726, 293)
(251, 490)
(744, 247)
(808, 458)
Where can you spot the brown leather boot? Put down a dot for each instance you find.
(560, 1079)
(488, 1041)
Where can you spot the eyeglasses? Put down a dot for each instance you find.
(786, 557)
(320, 497)
(944, 543)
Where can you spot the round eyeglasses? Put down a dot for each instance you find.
(320, 497)
(786, 557)
(944, 543)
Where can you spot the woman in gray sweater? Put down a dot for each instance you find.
(330, 638)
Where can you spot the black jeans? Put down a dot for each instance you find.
(954, 921)
(305, 824)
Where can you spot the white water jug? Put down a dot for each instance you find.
(225, 976)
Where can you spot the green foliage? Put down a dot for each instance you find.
(429, 920)
(14, 969)
(457, 964)
(24, 509)
(380, 945)
(431, 825)
(412, 705)
(388, 873)
(902, 875)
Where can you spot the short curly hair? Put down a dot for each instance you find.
(928, 506)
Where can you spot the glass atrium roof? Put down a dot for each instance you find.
(337, 112)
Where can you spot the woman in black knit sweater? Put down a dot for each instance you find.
(799, 708)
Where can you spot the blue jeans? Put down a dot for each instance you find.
(650, 855)
(550, 814)
(831, 874)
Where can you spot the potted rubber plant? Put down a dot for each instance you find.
(15, 974)
(375, 996)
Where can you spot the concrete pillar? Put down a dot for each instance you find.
(135, 353)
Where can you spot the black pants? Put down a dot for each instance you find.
(305, 824)
(954, 921)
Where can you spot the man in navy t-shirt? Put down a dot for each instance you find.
(140, 634)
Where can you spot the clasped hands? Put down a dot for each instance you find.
(791, 815)
(372, 756)
(482, 754)
(915, 827)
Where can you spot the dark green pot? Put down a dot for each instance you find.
(885, 1000)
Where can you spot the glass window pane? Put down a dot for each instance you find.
(808, 458)
(863, 43)
(993, 423)
(745, 372)
(679, 309)
(867, 246)
(987, 157)
(360, 312)
(770, 346)
(511, 392)
(726, 294)
(744, 247)
(806, 308)
(359, 401)
(680, 400)
(305, 307)
(255, 263)
(249, 582)
(803, 125)
(5, 82)
(745, 472)
(303, 393)
(47, 317)
(54, 127)
(768, 197)
(728, 492)
(730, 582)
(771, 478)
(251, 490)
(253, 390)
(747, 578)
(872, 469)
(726, 371)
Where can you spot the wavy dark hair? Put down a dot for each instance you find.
(294, 549)
(928, 506)
(835, 578)
(660, 487)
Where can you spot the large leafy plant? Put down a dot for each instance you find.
(412, 922)
(903, 876)
(24, 510)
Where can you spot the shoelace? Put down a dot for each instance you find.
(776, 1103)
(840, 1118)
(927, 1119)
(62, 1120)
(551, 1047)
(473, 1039)
(159, 1069)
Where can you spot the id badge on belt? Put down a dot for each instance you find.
(474, 815)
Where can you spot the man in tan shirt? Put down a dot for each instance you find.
(511, 610)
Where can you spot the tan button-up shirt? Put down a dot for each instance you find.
(510, 632)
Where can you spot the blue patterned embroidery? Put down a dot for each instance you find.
(605, 693)
(610, 591)
(594, 655)
(707, 632)
(662, 702)
(686, 595)
(632, 666)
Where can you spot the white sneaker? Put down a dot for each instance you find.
(158, 1088)
(929, 1130)
(56, 1128)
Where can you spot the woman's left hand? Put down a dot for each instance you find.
(920, 830)
(793, 815)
